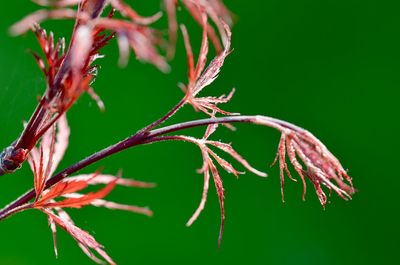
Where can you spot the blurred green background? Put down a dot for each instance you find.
(329, 66)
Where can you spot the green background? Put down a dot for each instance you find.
(329, 66)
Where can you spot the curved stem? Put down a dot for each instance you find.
(145, 137)
(166, 116)
(15, 210)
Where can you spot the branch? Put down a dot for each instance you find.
(66, 78)
(304, 143)
(138, 139)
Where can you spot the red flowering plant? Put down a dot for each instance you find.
(70, 72)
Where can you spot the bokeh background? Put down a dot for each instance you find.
(329, 66)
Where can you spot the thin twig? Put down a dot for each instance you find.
(166, 116)
(144, 138)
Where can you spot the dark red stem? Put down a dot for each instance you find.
(144, 137)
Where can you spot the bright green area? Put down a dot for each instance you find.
(329, 66)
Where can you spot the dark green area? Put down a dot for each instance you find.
(329, 66)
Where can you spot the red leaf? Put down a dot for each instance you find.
(37, 17)
(53, 228)
(199, 79)
(229, 149)
(105, 179)
(197, 10)
(113, 205)
(221, 196)
(170, 6)
(45, 158)
(213, 69)
(85, 199)
(127, 11)
(84, 239)
(143, 40)
(206, 173)
(60, 189)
